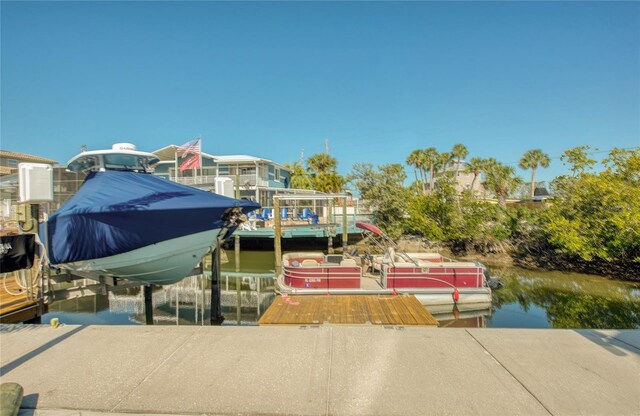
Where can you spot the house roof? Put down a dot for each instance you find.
(168, 153)
(245, 159)
(24, 157)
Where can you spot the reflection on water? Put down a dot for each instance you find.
(529, 299)
(187, 302)
(534, 299)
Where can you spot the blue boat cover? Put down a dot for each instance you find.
(115, 212)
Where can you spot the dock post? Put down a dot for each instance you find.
(148, 304)
(345, 235)
(329, 228)
(238, 300)
(216, 316)
(236, 249)
(276, 235)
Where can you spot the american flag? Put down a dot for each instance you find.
(192, 147)
(191, 163)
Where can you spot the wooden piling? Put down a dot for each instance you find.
(345, 235)
(216, 315)
(148, 304)
(236, 250)
(238, 300)
(277, 232)
(330, 229)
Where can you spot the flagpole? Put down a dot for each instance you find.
(175, 174)
(200, 153)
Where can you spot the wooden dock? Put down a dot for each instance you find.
(16, 303)
(347, 309)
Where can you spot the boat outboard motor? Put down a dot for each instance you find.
(494, 282)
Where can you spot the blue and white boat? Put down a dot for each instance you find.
(126, 223)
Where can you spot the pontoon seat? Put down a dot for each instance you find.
(348, 262)
(309, 263)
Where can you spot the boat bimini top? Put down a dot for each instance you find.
(121, 156)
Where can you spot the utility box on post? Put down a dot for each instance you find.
(224, 186)
(35, 182)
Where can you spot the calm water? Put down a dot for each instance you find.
(530, 299)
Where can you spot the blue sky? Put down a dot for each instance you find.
(377, 79)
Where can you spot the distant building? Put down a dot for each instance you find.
(258, 179)
(65, 184)
(9, 161)
(9, 192)
(464, 180)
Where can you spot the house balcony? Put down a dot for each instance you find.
(244, 180)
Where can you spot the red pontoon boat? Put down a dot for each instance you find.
(433, 279)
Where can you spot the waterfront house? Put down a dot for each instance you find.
(9, 161)
(9, 177)
(257, 179)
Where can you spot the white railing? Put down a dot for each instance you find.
(248, 180)
(245, 180)
(194, 180)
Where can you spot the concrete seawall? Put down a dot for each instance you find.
(325, 370)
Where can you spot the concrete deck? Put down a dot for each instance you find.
(325, 370)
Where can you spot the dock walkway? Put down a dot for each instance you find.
(323, 370)
(347, 309)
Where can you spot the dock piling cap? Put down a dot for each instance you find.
(10, 398)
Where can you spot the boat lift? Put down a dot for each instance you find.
(277, 220)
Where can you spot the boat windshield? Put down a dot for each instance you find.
(124, 161)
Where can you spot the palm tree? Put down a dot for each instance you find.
(459, 152)
(502, 180)
(321, 163)
(531, 160)
(430, 156)
(444, 159)
(475, 166)
(300, 178)
(414, 160)
(323, 172)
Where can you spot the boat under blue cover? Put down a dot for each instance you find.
(118, 211)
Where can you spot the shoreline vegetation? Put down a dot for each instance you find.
(590, 225)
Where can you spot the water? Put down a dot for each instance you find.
(530, 299)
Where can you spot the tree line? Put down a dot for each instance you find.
(592, 221)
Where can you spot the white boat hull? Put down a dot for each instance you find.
(162, 263)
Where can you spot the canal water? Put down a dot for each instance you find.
(529, 299)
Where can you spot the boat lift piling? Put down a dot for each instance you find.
(148, 304)
(236, 248)
(277, 224)
(216, 315)
(277, 232)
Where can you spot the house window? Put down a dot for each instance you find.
(277, 177)
(12, 163)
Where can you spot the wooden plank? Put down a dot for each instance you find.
(403, 309)
(320, 313)
(361, 307)
(376, 316)
(390, 309)
(416, 308)
(353, 309)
